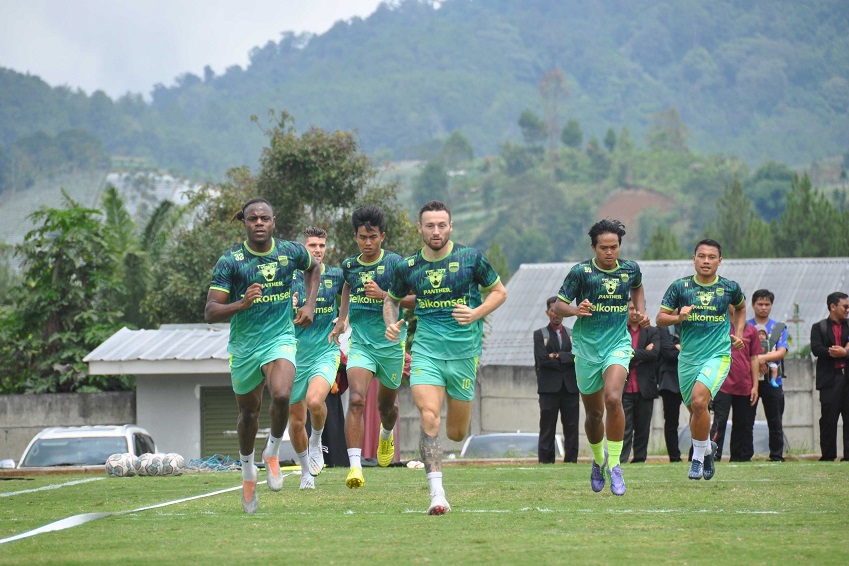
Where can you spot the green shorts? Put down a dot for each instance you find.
(710, 373)
(591, 374)
(387, 364)
(324, 367)
(246, 371)
(456, 376)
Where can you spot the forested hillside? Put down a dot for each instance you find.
(761, 79)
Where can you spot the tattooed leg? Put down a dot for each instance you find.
(431, 451)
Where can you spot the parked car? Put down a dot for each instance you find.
(760, 435)
(84, 445)
(506, 445)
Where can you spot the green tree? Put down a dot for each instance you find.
(663, 244)
(599, 160)
(431, 183)
(668, 132)
(66, 305)
(571, 135)
(498, 261)
(456, 150)
(768, 188)
(532, 127)
(810, 225)
(610, 140)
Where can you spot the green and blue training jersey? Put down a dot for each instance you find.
(439, 286)
(270, 316)
(609, 292)
(706, 332)
(312, 340)
(365, 315)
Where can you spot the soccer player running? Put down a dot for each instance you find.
(317, 360)
(370, 354)
(445, 278)
(700, 303)
(597, 291)
(251, 286)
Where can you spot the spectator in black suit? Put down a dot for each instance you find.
(557, 387)
(670, 391)
(829, 343)
(640, 388)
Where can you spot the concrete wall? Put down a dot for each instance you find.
(23, 416)
(505, 401)
(168, 406)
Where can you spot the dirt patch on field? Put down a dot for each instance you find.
(627, 205)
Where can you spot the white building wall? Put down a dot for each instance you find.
(169, 407)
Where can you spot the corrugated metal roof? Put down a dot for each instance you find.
(187, 342)
(802, 281)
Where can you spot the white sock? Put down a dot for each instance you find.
(385, 434)
(699, 447)
(248, 468)
(434, 481)
(315, 437)
(303, 459)
(354, 455)
(272, 447)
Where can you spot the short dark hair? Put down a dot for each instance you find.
(315, 232)
(606, 226)
(434, 206)
(240, 216)
(370, 216)
(708, 242)
(835, 298)
(763, 294)
(550, 301)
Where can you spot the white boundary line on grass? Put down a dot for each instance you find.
(77, 520)
(54, 486)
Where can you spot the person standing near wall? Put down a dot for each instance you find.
(557, 387)
(830, 345)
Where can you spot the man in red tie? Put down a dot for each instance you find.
(829, 342)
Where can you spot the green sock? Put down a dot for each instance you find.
(614, 451)
(598, 451)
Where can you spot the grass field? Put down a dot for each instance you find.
(506, 514)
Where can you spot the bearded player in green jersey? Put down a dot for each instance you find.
(251, 287)
(445, 278)
(597, 291)
(701, 303)
(317, 360)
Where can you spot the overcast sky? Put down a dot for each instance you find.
(130, 45)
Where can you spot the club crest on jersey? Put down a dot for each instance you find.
(328, 283)
(435, 277)
(705, 297)
(366, 276)
(624, 277)
(610, 285)
(454, 266)
(720, 292)
(284, 260)
(268, 270)
(381, 269)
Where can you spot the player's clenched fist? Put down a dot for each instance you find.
(585, 308)
(464, 315)
(253, 293)
(393, 331)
